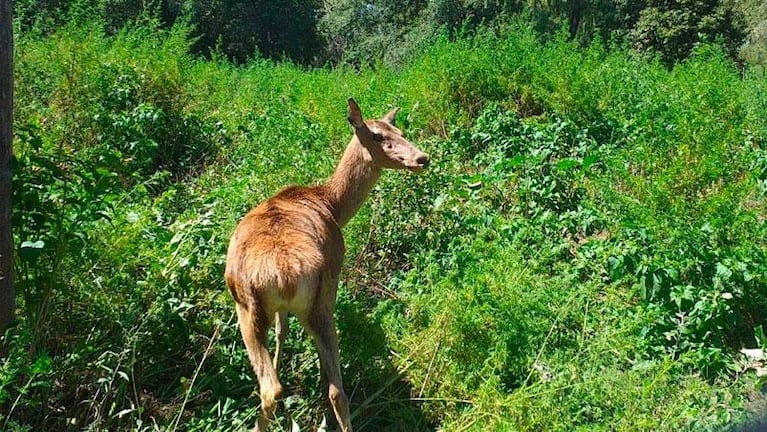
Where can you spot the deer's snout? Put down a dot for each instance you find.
(422, 160)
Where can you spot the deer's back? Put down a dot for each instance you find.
(280, 249)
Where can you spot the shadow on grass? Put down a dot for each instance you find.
(380, 395)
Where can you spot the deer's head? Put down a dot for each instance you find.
(384, 142)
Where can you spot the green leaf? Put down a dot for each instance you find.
(588, 161)
(39, 244)
(723, 272)
(567, 163)
(514, 162)
(31, 250)
(439, 201)
(615, 268)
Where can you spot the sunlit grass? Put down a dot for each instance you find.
(580, 201)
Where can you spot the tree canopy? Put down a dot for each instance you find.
(317, 32)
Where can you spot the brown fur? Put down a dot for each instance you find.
(286, 255)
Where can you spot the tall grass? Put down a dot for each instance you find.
(587, 250)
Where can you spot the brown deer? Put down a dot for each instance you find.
(286, 254)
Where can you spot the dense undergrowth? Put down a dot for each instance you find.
(586, 252)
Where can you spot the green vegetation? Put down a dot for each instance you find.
(588, 250)
(358, 32)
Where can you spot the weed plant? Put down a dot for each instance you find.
(586, 252)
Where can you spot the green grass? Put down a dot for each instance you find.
(587, 251)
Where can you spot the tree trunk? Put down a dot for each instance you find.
(575, 12)
(7, 292)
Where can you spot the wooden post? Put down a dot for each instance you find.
(7, 292)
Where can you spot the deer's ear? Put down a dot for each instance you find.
(391, 117)
(355, 115)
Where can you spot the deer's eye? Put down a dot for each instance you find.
(378, 137)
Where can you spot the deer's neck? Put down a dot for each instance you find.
(352, 181)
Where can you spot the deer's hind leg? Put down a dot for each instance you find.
(320, 324)
(280, 332)
(254, 325)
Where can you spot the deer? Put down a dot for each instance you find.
(285, 256)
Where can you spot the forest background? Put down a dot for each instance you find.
(588, 250)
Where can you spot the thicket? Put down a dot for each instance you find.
(587, 250)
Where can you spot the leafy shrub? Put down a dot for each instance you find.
(705, 296)
(131, 116)
(148, 138)
(56, 198)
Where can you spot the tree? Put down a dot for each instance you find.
(359, 31)
(7, 292)
(754, 49)
(240, 29)
(674, 28)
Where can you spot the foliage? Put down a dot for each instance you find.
(55, 198)
(130, 116)
(673, 29)
(242, 29)
(360, 31)
(239, 29)
(754, 49)
(586, 251)
(357, 32)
